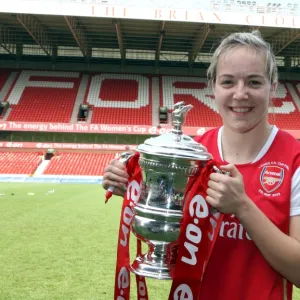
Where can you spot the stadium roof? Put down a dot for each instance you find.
(86, 37)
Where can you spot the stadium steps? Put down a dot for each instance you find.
(89, 117)
(41, 168)
(8, 84)
(7, 114)
(80, 97)
(155, 101)
(294, 94)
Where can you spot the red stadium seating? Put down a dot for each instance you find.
(19, 162)
(194, 90)
(88, 164)
(191, 90)
(284, 111)
(42, 96)
(120, 99)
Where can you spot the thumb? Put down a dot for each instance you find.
(127, 148)
(231, 169)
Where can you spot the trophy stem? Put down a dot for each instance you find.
(156, 262)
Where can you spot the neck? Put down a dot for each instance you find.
(241, 148)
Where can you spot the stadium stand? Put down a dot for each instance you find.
(19, 162)
(285, 111)
(88, 164)
(43, 96)
(192, 90)
(120, 99)
(48, 96)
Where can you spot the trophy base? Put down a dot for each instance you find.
(145, 268)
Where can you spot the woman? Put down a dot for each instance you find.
(257, 252)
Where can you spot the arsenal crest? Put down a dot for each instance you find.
(271, 178)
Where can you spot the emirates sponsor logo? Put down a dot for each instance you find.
(183, 292)
(123, 282)
(198, 209)
(233, 229)
(271, 178)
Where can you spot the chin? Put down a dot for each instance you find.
(241, 128)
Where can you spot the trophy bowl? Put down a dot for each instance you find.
(167, 163)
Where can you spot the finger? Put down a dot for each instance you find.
(120, 177)
(119, 191)
(107, 183)
(212, 202)
(116, 163)
(127, 148)
(213, 194)
(117, 169)
(234, 172)
(217, 177)
(214, 185)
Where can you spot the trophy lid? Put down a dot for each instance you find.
(175, 144)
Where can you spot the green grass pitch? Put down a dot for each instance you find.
(61, 245)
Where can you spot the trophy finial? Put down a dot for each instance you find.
(178, 115)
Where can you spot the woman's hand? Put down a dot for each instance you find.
(115, 175)
(227, 193)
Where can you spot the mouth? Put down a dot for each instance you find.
(241, 110)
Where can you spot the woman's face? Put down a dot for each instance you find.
(242, 89)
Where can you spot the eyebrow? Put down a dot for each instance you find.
(250, 76)
(255, 75)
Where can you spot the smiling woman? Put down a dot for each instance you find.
(258, 194)
(257, 252)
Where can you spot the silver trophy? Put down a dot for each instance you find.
(167, 163)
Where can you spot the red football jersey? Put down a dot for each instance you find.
(237, 270)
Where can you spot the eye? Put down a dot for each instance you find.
(255, 82)
(226, 82)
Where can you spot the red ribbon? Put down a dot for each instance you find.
(122, 278)
(198, 232)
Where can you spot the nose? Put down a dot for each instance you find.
(240, 92)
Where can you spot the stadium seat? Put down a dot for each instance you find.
(88, 164)
(19, 162)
